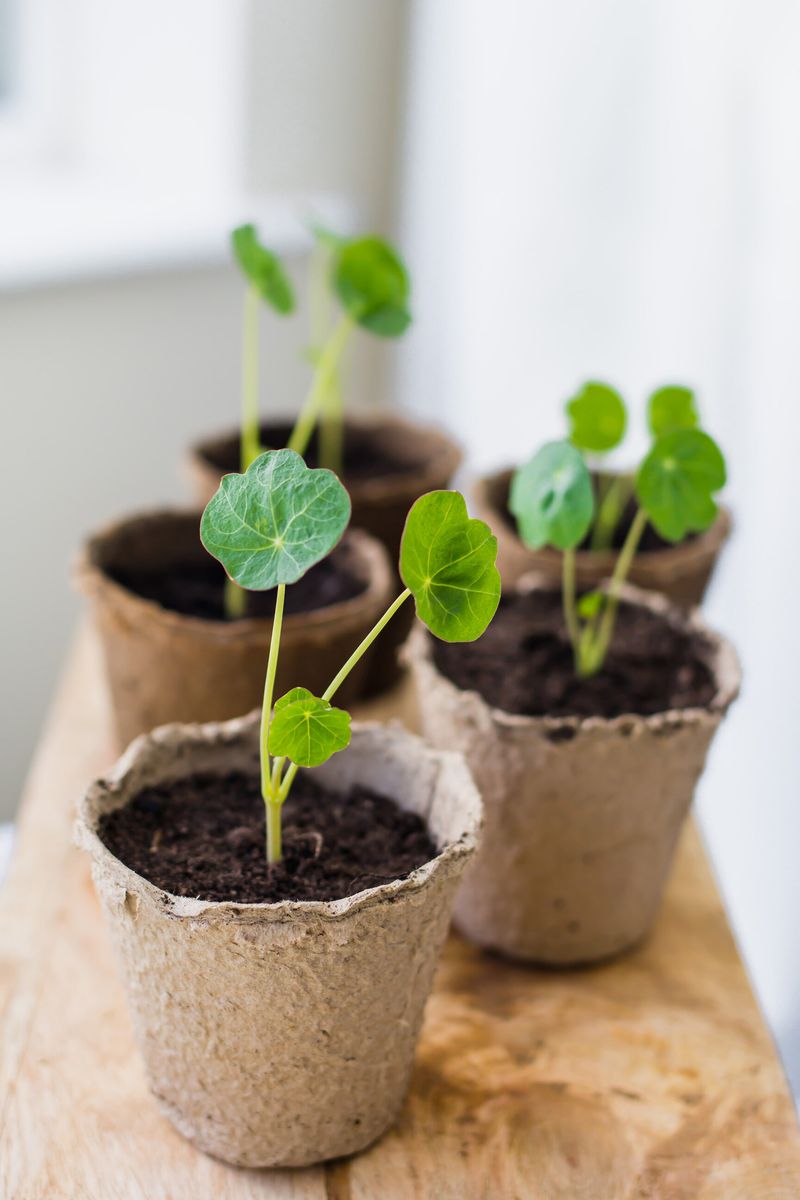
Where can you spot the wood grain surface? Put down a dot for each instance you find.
(653, 1076)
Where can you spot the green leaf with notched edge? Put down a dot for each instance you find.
(597, 418)
(263, 269)
(677, 480)
(372, 284)
(552, 498)
(447, 560)
(671, 408)
(271, 524)
(306, 729)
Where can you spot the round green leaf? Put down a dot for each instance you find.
(447, 560)
(671, 408)
(271, 524)
(552, 498)
(263, 269)
(373, 286)
(597, 418)
(676, 482)
(306, 729)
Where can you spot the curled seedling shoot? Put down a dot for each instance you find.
(554, 504)
(269, 525)
(371, 286)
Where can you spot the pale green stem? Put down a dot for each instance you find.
(568, 600)
(609, 512)
(321, 383)
(235, 600)
(598, 649)
(331, 429)
(274, 841)
(318, 297)
(250, 437)
(340, 677)
(363, 646)
(271, 800)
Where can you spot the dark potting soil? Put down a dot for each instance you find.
(367, 455)
(523, 664)
(204, 836)
(198, 589)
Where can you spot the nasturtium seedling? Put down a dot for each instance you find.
(555, 504)
(597, 418)
(447, 561)
(671, 408)
(551, 497)
(268, 525)
(676, 483)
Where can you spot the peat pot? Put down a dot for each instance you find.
(389, 461)
(283, 1034)
(582, 814)
(681, 572)
(163, 665)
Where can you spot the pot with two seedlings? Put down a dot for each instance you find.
(585, 719)
(277, 927)
(598, 419)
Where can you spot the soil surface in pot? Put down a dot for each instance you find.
(368, 454)
(650, 540)
(204, 836)
(197, 589)
(523, 664)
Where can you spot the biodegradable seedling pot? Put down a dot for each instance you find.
(681, 571)
(165, 666)
(582, 815)
(424, 459)
(283, 1034)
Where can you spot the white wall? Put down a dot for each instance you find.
(612, 191)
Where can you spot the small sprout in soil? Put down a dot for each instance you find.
(370, 283)
(267, 282)
(554, 503)
(268, 525)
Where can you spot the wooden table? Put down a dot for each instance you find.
(653, 1076)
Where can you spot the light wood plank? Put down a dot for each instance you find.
(651, 1077)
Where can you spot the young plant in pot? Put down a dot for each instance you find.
(585, 718)
(293, 917)
(386, 461)
(173, 651)
(597, 421)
